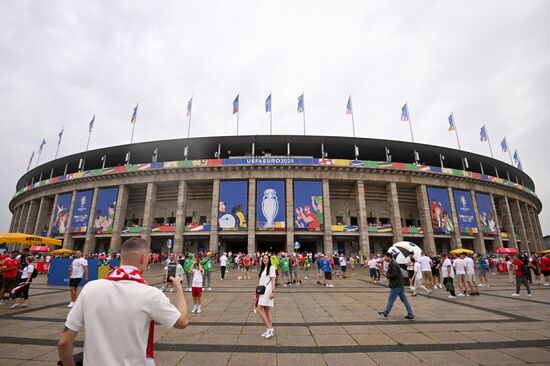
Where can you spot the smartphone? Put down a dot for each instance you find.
(171, 271)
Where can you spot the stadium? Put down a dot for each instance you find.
(278, 192)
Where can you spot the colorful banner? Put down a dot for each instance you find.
(61, 214)
(270, 205)
(308, 206)
(81, 211)
(486, 215)
(233, 205)
(440, 210)
(104, 215)
(465, 212)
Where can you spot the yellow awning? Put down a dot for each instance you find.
(462, 250)
(27, 239)
(62, 251)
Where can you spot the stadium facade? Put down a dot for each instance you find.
(318, 193)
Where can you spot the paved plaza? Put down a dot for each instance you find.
(314, 326)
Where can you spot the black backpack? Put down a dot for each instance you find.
(34, 273)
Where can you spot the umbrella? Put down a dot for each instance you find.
(401, 250)
(62, 251)
(545, 251)
(462, 250)
(39, 248)
(27, 239)
(506, 251)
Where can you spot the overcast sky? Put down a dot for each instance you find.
(63, 61)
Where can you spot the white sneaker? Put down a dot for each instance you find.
(515, 295)
(529, 295)
(194, 308)
(460, 294)
(265, 333)
(210, 289)
(198, 310)
(487, 286)
(269, 333)
(451, 297)
(70, 305)
(15, 306)
(331, 285)
(547, 284)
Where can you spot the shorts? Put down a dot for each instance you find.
(460, 278)
(196, 291)
(470, 277)
(427, 275)
(343, 268)
(74, 282)
(435, 272)
(9, 284)
(410, 273)
(328, 276)
(246, 268)
(544, 273)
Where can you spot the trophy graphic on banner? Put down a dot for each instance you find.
(270, 207)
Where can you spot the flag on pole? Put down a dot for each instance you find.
(405, 113)
(236, 104)
(504, 145)
(42, 145)
(134, 115)
(189, 106)
(268, 104)
(517, 160)
(60, 136)
(483, 134)
(349, 108)
(91, 125)
(30, 161)
(452, 126)
(301, 103)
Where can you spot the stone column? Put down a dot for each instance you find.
(120, 216)
(251, 231)
(68, 241)
(32, 217)
(456, 238)
(508, 223)
(327, 238)
(45, 203)
(395, 214)
(89, 242)
(364, 244)
(52, 218)
(479, 242)
(12, 221)
(538, 228)
(214, 238)
(517, 218)
(531, 237)
(148, 212)
(425, 218)
(14, 217)
(22, 217)
(180, 217)
(497, 242)
(289, 215)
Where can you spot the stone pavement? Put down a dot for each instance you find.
(315, 326)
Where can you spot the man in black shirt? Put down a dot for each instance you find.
(396, 287)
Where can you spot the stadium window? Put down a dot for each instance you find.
(158, 220)
(202, 220)
(171, 220)
(353, 220)
(339, 220)
(188, 220)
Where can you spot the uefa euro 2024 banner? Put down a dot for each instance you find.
(270, 205)
(233, 205)
(308, 206)
(486, 215)
(61, 214)
(440, 210)
(465, 211)
(104, 214)
(81, 211)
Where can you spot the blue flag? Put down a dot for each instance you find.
(504, 145)
(42, 145)
(60, 136)
(301, 103)
(483, 134)
(189, 106)
(451, 122)
(349, 108)
(268, 104)
(236, 104)
(134, 115)
(405, 113)
(91, 126)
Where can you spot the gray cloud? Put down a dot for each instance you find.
(62, 61)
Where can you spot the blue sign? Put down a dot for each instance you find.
(440, 210)
(308, 206)
(58, 274)
(271, 161)
(465, 211)
(81, 211)
(233, 205)
(486, 215)
(61, 214)
(104, 214)
(270, 205)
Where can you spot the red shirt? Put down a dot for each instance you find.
(545, 263)
(518, 267)
(11, 265)
(246, 261)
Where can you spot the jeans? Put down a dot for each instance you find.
(519, 281)
(394, 292)
(188, 278)
(206, 279)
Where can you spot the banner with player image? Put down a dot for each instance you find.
(233, 205)
(61, 214)
(81, 211)
(308, 206)
(465, 212)
(486, 215)
(440, 210)
(104, 214)
(270, 205)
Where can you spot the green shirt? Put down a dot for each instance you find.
(187, 264)
(285, 264)
(274, 261)
(207, 264)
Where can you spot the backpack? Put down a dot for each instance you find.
(34, 273)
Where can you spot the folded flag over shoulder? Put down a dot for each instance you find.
(30, 161)
(349, 107)
(301, 103)
(236, 104)
(42, 145)
(189, 106)
(504, 145)
(134, 115)
(268, 104)
(405, 113)
(483, 134)
(452, 126)
(91, 125)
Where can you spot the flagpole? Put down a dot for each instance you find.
(38, 157)
(189, 120)
(352, 123)
(270, 114)
(238, 122)
(489, 141)
(89, 135)
(304, 112)
(456, 133)
(410, 124)
(509, 153)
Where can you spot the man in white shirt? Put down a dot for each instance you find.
(223, 264)
(447, 273)
(119, 313)
(460, 274)
(426, 267)
(471, 276)
(373, 266)
(78, 269)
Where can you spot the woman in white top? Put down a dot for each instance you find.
(21, 291)
(417, 278)
(265, 301)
